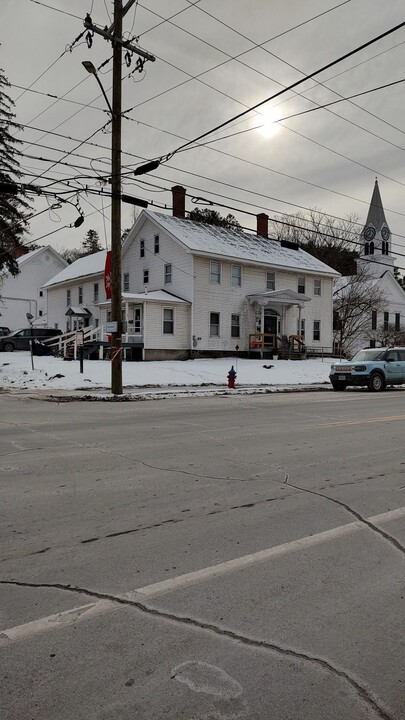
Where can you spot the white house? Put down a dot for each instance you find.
(25, 292)
(193, 289)
(73, 296)
(378, 263)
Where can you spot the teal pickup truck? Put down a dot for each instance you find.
(375, 368)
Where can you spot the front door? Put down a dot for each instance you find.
(270, 326)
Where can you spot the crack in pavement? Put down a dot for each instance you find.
(390, 538)
(140, 528)
(361, 690)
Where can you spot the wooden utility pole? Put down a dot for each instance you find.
(114, 35)
(116, 293)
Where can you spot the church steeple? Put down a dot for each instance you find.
(375, 238)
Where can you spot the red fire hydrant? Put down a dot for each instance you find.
(231, 377)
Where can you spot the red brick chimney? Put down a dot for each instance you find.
(262, 224)
(179, 201)
(20, 251)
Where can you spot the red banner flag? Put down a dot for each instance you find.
(107, 275)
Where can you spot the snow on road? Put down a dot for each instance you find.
(55, 373)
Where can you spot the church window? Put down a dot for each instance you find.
(371, 248)
(366, 248)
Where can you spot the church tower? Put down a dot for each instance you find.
(375, 239)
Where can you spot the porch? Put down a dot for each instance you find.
(278, 324)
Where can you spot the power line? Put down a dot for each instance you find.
(50, 7)
(310, 110)
(291, 86)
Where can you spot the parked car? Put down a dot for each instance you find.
(4, 331)
(375, 368)
(20, 339)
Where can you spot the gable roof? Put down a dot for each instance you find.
(212, 240)
(30, 255)
(89, 265)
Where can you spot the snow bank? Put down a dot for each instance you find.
(55, 373)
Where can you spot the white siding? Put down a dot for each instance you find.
(170, 252)
(154, 336)
(24, 290)
(57, 304)
(228, 300)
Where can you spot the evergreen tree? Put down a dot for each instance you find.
(91, 243)
(399, 278)
(13, 208)
(212, 217)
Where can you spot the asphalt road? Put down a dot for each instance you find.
(233, 558)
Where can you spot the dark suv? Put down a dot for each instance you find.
(20, 339)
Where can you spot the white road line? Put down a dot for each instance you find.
(101, 607)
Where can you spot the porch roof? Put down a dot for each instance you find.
(285, 297)
(157, 296)
(78, 311)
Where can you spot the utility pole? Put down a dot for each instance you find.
(114, 34)
(116, 293)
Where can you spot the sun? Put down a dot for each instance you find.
(268, 125)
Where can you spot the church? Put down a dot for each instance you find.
(385, 324)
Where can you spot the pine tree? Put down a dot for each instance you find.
(13, 208)
(212, 217)
(91, 243)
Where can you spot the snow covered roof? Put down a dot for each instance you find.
(154, 296)
(30, 255)
(89, 265)
(203, 239)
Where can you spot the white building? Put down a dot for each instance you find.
(378, 262)
(73, 296)
(190, 289)
(25, 292)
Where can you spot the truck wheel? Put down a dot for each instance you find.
(8, 347)
(339, 386)
(376, 382)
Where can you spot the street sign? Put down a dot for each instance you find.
(111, 327)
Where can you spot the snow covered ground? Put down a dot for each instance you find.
(56, 374)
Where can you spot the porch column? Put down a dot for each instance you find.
(262, 331)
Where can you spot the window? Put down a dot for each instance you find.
(301, 285)
(156, 244)
(41, 294)
(236, 276)
(386, 320)
(397, 322)
(137, 320)
(366, 248)
(168, 274)
(372, 343)
(145, 277)
(317, 330)
(317, 286)
(68, 297)
(80, 294)
(215, 273)
(40, 313)
(235, 326)
(142, 248)
(168, 321)
(214, 324)
(374, 319)
(109, 315)
(125, 283)
(301, 328)
(56, 326)
(270, 280)
(371, 248)
(95, 292)
(392, 356)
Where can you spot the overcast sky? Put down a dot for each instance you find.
(328, 158)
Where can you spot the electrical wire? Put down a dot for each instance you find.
(293, 85)
(50, 7)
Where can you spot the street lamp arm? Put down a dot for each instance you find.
(104, 94)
